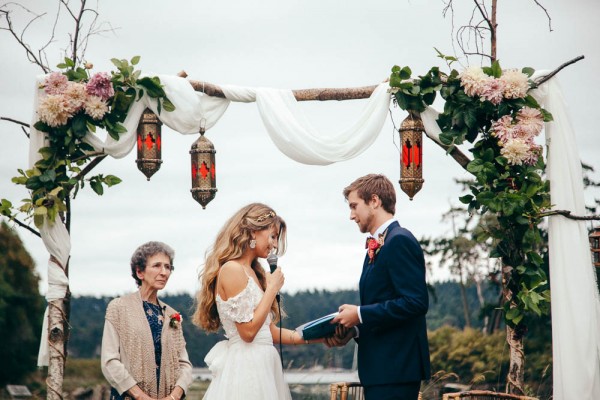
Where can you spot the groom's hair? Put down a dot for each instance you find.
(368, 185)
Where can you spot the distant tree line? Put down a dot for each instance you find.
(446, 309)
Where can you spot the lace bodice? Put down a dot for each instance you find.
(240, 308)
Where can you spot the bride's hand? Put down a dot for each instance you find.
(275, 280)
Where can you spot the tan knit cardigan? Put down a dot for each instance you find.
(136, 348)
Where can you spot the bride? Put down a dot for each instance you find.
(237, 294)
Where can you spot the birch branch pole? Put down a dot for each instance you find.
(327, 94)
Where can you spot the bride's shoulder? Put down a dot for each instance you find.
(232, 279)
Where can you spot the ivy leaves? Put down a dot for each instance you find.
(415, 94)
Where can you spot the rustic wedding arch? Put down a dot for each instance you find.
(57, 308)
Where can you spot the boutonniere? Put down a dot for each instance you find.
(175, 320)
(373, 246)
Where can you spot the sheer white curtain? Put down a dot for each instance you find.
(575, 302)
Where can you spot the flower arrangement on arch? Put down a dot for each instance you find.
(494, 109)
(73, 103)
(76, 101)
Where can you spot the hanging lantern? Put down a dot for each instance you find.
(595, 246)
(411, 164)
(204, 183)
(149, 143)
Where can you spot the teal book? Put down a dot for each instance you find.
(318, 328)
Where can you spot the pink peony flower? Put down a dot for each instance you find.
(76, 95)
(95, 107)
(530, 121)
(516, 151)
(54, 110)
(101, 86)
(493, 91)
(515, 83)
(55, 83)
(473, 80)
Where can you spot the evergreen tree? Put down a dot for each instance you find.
(21, 309)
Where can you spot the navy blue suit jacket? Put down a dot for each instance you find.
(392, 342)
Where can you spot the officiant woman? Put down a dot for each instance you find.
(143, 349)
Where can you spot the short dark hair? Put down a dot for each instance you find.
(368, 185)
(141, 254)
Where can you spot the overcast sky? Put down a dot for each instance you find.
(281, 44)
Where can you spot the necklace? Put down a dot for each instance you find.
(153, 311)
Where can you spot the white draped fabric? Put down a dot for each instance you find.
(575, 303)
(294, 135)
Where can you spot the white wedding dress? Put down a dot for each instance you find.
(240, 370)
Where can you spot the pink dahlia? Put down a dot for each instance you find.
(55, 83)
(54, 110)
(503, 129)
(101, 86)
(473, 80)
(515, 83)
(535, 152)
(530, 121)
(95, 107)
(76, 95)
(493, 91)
(516, 151)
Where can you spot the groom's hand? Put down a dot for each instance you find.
(348, 316)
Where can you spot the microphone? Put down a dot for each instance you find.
(272, 260)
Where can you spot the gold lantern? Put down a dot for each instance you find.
(204, 183)
(149, 143)
(411, 164)
(595, 246)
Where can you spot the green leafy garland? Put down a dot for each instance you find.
(492, 109)
(74, 104)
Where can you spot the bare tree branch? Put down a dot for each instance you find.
(23, 124)
(19, 38)
(89, 167)
(567, 214)
(547, 15)
(15, 121)
(556, 71)
(23, 225)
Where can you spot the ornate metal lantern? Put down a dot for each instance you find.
(595, 246)
(149, 143)
(204, 183)
(411, 164)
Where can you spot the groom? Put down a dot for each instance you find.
(389, 325)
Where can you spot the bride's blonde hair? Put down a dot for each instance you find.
(233, 239)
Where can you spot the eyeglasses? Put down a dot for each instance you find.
(160, 266)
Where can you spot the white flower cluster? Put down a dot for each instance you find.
(512, 84)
